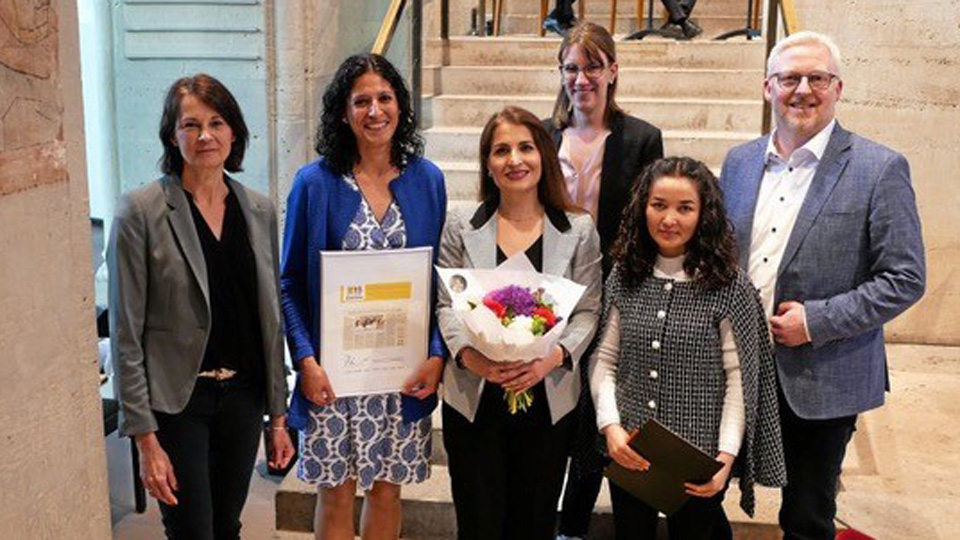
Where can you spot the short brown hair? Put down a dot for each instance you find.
(597, 43)
(214, 95)
(550, 189)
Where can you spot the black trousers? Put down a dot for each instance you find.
(563, 11)
(813, 451)
(586, 465)
(212, 445)
(679, 10)
(506, 470)
(697, 519)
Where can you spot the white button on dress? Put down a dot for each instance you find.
(655, 345)
(652, 404)
(654, 374)
(661, 314)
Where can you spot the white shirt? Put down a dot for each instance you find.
(782, 192)
(603, 369)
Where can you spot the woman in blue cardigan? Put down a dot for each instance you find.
(371, 189)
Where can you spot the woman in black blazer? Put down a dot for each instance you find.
(602, 151)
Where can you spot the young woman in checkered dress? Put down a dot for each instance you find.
(684, 341)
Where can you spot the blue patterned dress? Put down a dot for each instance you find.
(365, 437)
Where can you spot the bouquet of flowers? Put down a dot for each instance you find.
(512, 312)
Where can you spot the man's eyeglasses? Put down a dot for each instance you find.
(591, 71)
(818, 80)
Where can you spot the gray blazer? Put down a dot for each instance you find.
(571, 248)
(854, 259)
(160, 305)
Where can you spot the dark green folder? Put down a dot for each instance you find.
(673, 461)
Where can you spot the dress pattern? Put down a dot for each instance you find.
(365, 437)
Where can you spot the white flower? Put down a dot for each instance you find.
(522, 323)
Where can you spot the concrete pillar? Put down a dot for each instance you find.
(53, 478)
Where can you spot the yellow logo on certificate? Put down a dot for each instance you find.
(373, 292)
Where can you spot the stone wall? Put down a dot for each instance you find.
(52, 463)
(901, 72)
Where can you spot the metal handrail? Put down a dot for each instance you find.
(382, 44)
(790, 26)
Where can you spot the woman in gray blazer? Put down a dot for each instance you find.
(507, 469)
(195, 318)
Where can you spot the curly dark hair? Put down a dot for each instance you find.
(214, 95)
(336, 143)
(551, 190)
(711, 252)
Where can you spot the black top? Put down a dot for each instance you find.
(235, 339)
(534, 253)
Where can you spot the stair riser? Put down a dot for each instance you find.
(463, 111)
(739, 54)
(595, 8)
(712, 26)
(745, 84)
(464, 147)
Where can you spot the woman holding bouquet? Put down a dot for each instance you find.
(370, 190)
(684, 341)
(507, 469)
(602, 151)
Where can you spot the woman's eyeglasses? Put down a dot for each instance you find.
(591, 71)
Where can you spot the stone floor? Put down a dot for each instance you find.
(898, 482)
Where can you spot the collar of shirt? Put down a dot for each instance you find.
(812, 151)
(671, 268)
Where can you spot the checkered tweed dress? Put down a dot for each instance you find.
(671, 368)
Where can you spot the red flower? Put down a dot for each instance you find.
(497, 308)
(547, 315)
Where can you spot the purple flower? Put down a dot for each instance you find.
(517, 299)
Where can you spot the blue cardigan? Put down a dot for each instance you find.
(319, 211)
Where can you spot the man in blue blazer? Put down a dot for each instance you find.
(827, 226)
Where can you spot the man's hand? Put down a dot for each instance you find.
(789, 324)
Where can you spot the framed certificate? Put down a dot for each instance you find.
(374, 317)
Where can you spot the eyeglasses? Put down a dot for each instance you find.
(591, 71)
(818, 80)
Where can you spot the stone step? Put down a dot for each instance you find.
(652, 52)
(632, 81)
(461, 144)
(713, 25)
(667, 114)
(598, 8)
(428, 511)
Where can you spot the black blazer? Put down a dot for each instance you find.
(632, 145)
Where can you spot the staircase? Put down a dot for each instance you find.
(704, 95)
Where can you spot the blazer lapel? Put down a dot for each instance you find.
(181, 222)
(480, 240)
(558, 246)
(824, 180)
(742, 198)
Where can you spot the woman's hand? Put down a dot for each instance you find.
(620, 450)
(495, 372)
(280, 443)
(314, 383)
(717, 483)
(526, 375)
(425, 380)
(156, 471)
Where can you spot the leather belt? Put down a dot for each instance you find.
(220, 374)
